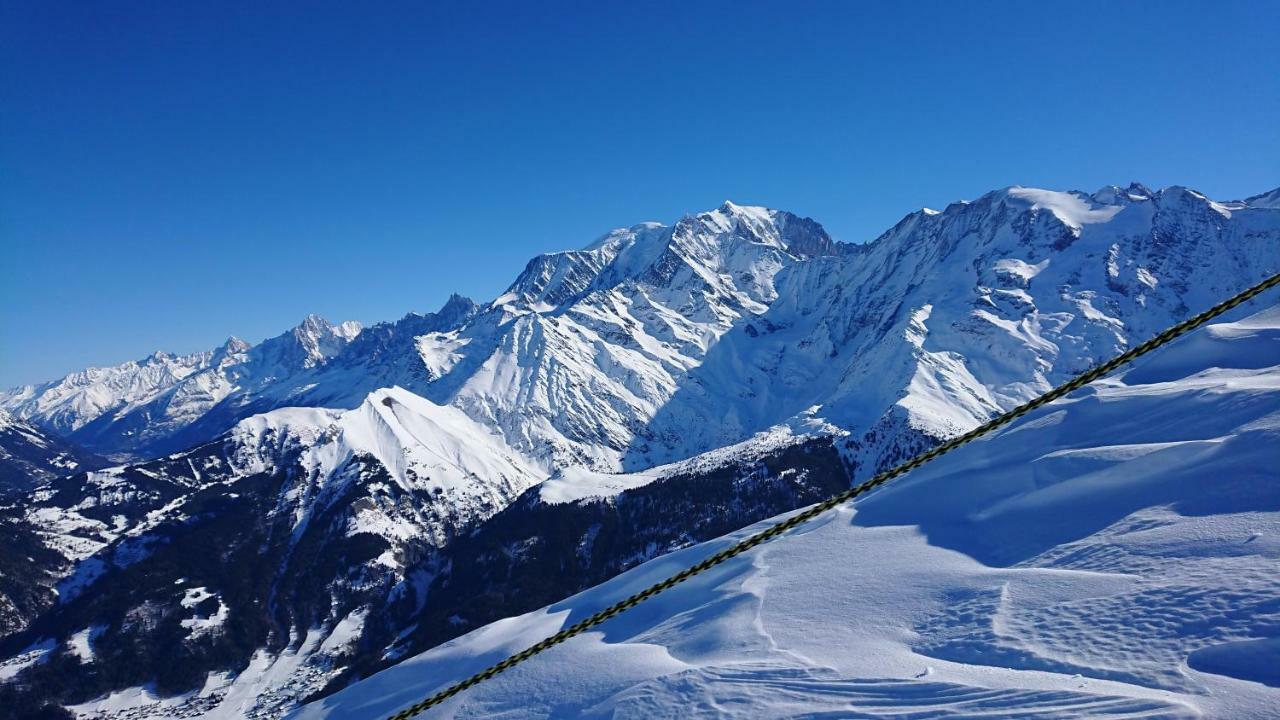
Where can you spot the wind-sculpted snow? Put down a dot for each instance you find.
(1111, 555)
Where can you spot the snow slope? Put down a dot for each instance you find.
(1112, 555)
(426, 451)
(576, 483)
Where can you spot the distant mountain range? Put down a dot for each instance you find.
(295, 514)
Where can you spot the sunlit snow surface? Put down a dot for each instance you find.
(1113, 555)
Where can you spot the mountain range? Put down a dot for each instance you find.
(280, 519)
(1110, 556)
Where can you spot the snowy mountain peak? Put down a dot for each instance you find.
(233, 345)
(1269, 200)
(806, 238)
(317, 328)
(1073, 208)
(735, 250)
(1115, 195)
(750, 213)
(755, 222)
(457, 307)
(459, 470)
(317, 339)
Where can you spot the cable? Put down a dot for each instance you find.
(814, 511)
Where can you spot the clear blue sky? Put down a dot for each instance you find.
(174, 173)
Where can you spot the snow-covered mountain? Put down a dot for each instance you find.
(954, 315)
(567, 364)
(30, 566)
(307, 547)
(656, 343)
(1111, 555)
(30, 455)
(287, 530)
(397, 468)
(584, 348)
(29, 571)
(331, 500)
(167, 402)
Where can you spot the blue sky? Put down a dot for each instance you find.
(174, 173)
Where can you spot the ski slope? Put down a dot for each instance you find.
(1112, 555)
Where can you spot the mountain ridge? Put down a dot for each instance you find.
(735, 364)
(167, 402)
